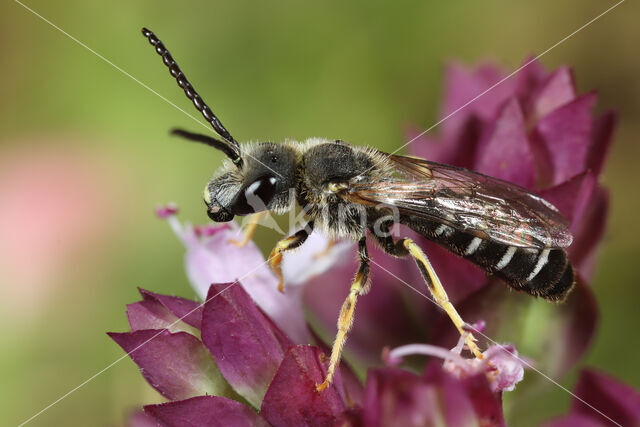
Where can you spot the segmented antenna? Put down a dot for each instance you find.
(231, 147)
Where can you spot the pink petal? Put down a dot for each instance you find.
(243, 340)
(292, 398)
(612, 397)
(560, 333)
(309, 260)
(586, 205)
(186, 310)
(506, 154)
(528, 80)
(565, 135)
(398, 397)
(601, 137)
(152, 315)
(140, 419)
(463, 85)
(214, 259)
(211, 411)
(557, 90)
(177, 365)
(458, 150)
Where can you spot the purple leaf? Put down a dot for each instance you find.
(177, 365)
(292, 398)
(205, 411)
(506, 154)
(245, 343)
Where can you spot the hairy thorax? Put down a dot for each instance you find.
(324, 169)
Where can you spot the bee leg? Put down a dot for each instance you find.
(330, 244)
(250, 230)
(359, 287)
(438, 292)
(288, 243)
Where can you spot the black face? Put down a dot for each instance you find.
(255, 197)
(261, 183)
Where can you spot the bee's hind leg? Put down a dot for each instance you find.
(360, 286)
(286, 244)
(407, 246)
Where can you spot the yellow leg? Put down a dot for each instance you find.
(439, 294)
(330, 244)
(250, 230)
(288, 243)
(359, 286)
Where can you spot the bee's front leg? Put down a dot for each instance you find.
(250, 230)
(360, 286)
(286, 244)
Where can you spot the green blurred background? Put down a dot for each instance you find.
(85, 156)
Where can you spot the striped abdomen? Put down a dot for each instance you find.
(541, 272)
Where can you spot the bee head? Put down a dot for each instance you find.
(261, 183)
(254, 180)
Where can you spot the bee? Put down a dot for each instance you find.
(349, 191)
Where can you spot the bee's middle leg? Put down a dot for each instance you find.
(406, 247)
(360, 286)
(286, 244)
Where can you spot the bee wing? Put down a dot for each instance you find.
(467, 201)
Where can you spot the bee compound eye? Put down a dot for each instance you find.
(256, 196)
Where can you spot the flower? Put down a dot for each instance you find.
(533, 130)
(212, 257)
(600, 399)
(219, 362)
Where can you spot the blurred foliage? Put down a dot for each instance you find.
(358, 71)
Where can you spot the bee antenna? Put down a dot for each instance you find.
(210, 141)
(230, 147)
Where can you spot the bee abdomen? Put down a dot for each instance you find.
(546, 273)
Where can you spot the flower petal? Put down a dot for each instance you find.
(314, 258)
(205, 411)
(610, 396)
(140, 419)
(554, 335)
(150, 314)
(292, 398)
(397, 397)
(586, 205)
(186, 310)
(177, 365)
(212, 258)
(558, 89)
(601, 137)
(246, 344)
(564, 134)
(506, 153)
(463, 85)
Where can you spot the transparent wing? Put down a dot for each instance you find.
(468, 201)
